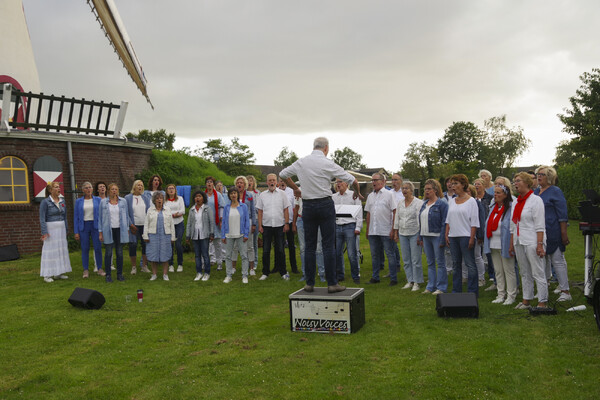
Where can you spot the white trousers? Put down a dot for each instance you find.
(506, 277)
(560, 268)
(532, 269)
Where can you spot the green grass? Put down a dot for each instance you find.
(216, 341)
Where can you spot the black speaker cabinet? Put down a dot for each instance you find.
(87, 298)
(457, 305)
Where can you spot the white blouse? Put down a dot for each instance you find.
(407, 217)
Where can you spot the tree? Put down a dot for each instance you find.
(419, 162)
(348, 159)
(582, 121)
(285, 157)
(161, 139)
(462, 141)
(502, 145)
(234, 159)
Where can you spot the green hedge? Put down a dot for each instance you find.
(181, 169)
(573, 178)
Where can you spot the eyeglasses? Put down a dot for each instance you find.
(374, 180)
(540, 174)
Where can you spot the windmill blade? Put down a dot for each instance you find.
(107, 15)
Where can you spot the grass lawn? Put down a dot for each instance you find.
(216, 341)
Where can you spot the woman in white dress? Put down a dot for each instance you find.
(53, 222)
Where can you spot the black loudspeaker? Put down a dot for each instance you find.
(457, 305)
(87, 298)
(9, 253)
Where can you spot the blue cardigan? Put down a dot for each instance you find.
(436, 219)
(555, 206)
(104, 224)
(504, 234)
(78, 214)
(244, 220)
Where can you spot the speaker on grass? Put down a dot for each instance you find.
(457, 305)
(87, 298)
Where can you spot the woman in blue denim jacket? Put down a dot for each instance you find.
(85, 224)
(432, 227)
(114, 229)
(200, 230)
(497, 243)
(234, 233)
(53, 222)
(137, 207)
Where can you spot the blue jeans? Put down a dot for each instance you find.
(379, 245)
(319, 214)
(411, 255)
(201, 252)
(138, 238)
(179, 230)
(108, 253)
(302, 244)
(345, 233)
(437, 279)
(84, 239)
(459, 247)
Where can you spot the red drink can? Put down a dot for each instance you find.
(140, 294)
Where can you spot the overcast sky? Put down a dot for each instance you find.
(372, 75)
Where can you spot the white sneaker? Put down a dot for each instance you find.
(133, 270)
(220, 268)
(198, 276)
(508, 302)
(490, 288)
(564, 297)
(557, 290)
(252, 272)
(112, 268)
(233, 271)
(263, 277)
(48, 279)
(145, 269)
(153, 277)
(407, 286)
(498, 300)
(180, 268)
(61, 277)
(227, 279)
(165, 277)
(96, 269)
(205, 277)
(415, 287)
(171, 268)
(286, 277)
(482, 283)
(437, 292)
(245, 279)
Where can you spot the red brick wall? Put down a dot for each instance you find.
(92, 162)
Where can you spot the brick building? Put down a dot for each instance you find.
(95, 158)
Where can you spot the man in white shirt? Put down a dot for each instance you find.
(289, 235)
(315, 173)
(272, 206)
(346, 230)
(398, 196)
(381, 209)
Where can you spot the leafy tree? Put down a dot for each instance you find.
(348, 159)
(502, 145)
(462, 141)
(419, 162)
(234, 159)
(285, 157)
(582, 121)
(161, 139)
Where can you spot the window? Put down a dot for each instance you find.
(14, 187)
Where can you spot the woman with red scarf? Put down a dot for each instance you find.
(216, 201)
(528, 244)
(496, 242)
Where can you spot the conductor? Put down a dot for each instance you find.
(315, 173)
